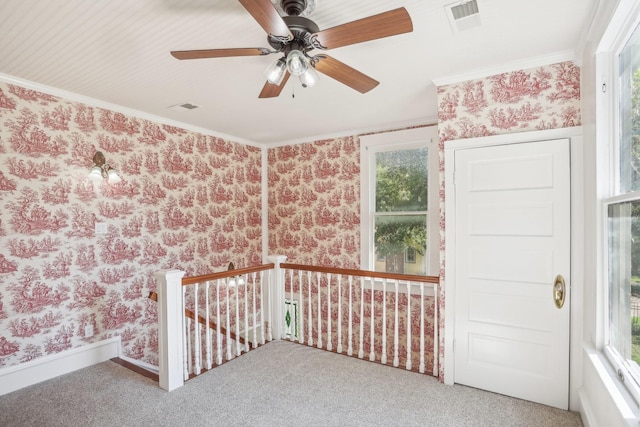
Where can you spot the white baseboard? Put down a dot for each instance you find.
(16, 377)
(144, 365)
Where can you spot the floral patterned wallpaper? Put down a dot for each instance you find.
(186, 200)
(314, 202)
(546, 97)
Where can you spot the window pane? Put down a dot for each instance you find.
(624, 282)
(629, 149)
(394, 234)
(401, 180)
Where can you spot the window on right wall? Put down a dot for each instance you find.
(622, 211)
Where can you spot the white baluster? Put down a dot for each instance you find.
(187, 343)
(383, 358)
(253, 312)
(329, 340)
(262, 308)
(310, 322)
(197, 357)
(236, 280)
(350, 336)
(436, 350)
(372, 354)
(246, 312)
(361, 340)
(301, 331)
(291, 308)
(288, 307)
(218, 326)
(396, 360)
(272, 283)
(188, 364)
(409, 326)
(421, 367)
(319, 311)
(339, 347)
(228, 324)
(207, 327)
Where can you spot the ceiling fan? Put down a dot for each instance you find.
(295, 35)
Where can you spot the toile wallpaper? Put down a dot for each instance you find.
(314, 202)
(186, 200)
(546, 97)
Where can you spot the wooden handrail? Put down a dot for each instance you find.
(362, 273)
(203, 321)
(225, 274)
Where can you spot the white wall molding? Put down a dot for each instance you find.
(44, 368)
(394, 127)
(74, 97)
(507, 67)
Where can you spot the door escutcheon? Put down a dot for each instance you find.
(559, 291)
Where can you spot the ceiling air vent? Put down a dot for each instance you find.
(463, 15)
(183, 106)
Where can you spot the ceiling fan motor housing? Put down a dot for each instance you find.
(294, 7)
(302, 28)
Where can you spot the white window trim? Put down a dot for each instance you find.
(410, 138)
(622, 24)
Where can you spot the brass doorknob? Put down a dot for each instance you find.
(559, 291)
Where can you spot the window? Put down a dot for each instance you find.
(399, 202)
(410, 256)
(622, 342)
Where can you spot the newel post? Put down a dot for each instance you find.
(276, 297)
(170, 329)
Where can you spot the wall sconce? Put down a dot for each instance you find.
(102, 170)
(232, 281)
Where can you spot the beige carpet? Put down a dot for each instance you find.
(279, 384)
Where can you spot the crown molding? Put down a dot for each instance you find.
(392, 127)
(74, 97)
(524, 64)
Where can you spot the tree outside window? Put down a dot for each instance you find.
(400, 218)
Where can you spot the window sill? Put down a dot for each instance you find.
(604, 401)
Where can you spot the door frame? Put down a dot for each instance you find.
(577, 248)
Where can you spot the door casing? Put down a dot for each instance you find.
(577, 247)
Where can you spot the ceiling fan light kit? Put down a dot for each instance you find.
(297, 64)
(309, 78)
(276, 71)
(295, 36)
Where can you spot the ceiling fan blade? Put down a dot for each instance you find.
(345, 74)
(271, 91)
(268, 17)
(219, 53)
(385, 24)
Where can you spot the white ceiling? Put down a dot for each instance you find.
(117, 52)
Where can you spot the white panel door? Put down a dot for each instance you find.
(512, 216)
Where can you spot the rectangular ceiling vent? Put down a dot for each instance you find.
(183, 106)
(463, 15)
